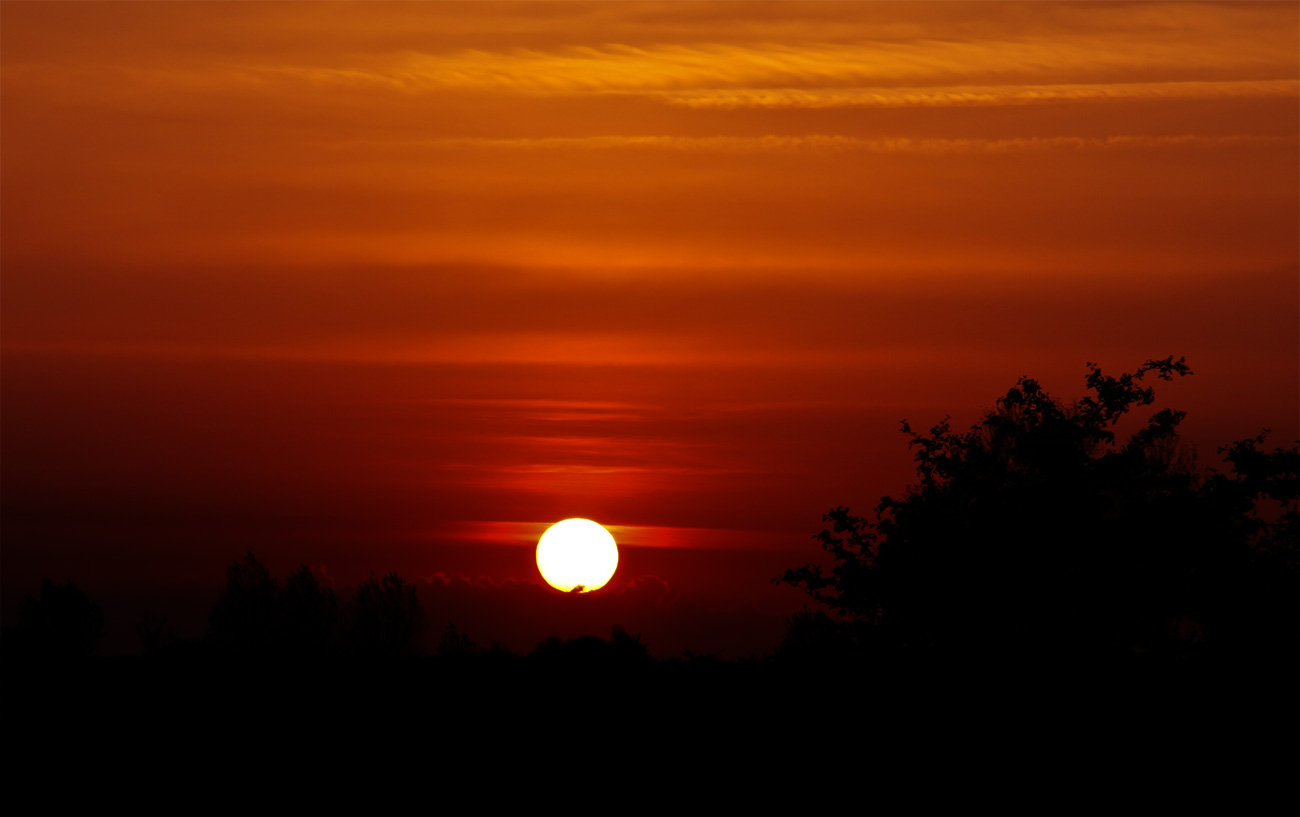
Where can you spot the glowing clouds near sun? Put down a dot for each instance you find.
(577, 554)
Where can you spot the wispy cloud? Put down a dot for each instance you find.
(527, 533)
(1002, 68)
(830, 143)
(983, 95)
(556, 411)
(616, 67)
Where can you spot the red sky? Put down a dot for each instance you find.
(394, 286)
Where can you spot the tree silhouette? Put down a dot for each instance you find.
(246, 615)
(1038, 531)
(309, 613)
(386, 617)
(255, 615)
(1251, 602)
(61, 623)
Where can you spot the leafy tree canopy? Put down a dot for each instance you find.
(1039, 530)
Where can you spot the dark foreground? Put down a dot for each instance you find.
(517, 736)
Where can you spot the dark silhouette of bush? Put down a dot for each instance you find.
(151, 629)
(60, 624)
(1037, 532)
(620, 651)
(629, 647)
(814, 639)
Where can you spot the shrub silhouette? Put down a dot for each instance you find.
(1037, 531)
(813, 638)
(455, 644)
(620, 651)
(151, 629)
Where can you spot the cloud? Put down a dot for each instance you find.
(628, 68)
(824, 143)
(981, 95)
(1135, 60)
(526, 534)
(554, 411)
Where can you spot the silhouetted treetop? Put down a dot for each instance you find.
(1037, 530)
(386, 617)
(245, 617)
(60, 623)
(309, 612)
(1258, 478)
(1116, 396)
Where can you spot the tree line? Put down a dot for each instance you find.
(1039, 533)
(257, 616)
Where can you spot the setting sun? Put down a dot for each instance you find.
(577, 554)
(936, 363)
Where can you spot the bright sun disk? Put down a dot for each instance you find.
(577, 553)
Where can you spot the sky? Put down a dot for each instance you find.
(394, 286)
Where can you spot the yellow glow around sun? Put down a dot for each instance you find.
(577, 553)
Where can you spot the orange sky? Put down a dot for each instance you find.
(392, 286)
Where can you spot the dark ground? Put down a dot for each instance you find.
(584, 734)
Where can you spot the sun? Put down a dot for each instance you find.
(577, 555)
